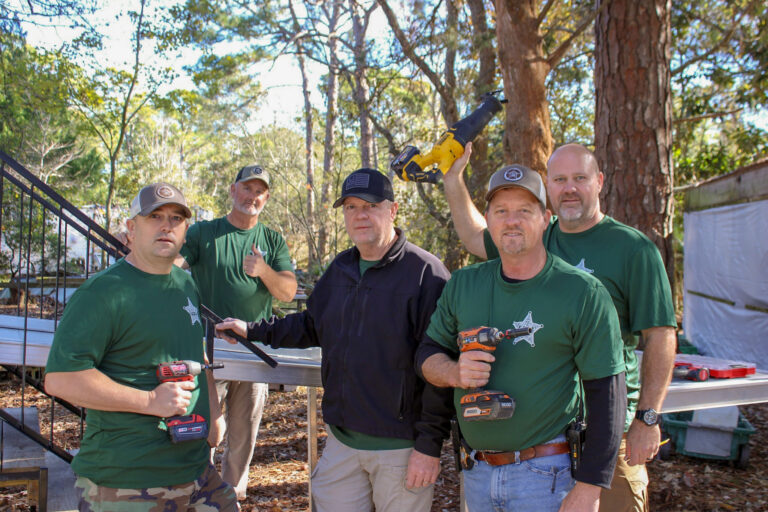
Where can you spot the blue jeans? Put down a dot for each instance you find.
(538, 484)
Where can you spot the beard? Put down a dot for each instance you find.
(248, 209)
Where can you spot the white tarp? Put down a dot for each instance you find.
(726, 257)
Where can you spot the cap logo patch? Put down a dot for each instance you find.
(513, 174)
(165, 192)
(357, 181)
(257, 170)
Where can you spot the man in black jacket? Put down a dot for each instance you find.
(368, 312)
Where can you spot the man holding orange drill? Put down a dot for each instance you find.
(117, 329)
(521, 462)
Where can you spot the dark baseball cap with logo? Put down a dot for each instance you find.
(152, 197)
(367, 184)
(252, 172)
(517, 175)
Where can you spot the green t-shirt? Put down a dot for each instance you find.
(575, 333)
(124, 322)
(358, 440)
(215, 251)
(630, 267)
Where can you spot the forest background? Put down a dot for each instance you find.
(666, 93)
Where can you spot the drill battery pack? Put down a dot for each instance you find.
(187, 428)
(487, 405)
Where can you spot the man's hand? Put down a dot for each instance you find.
(642, 443)
(125, 238)
(254, 263)
(422, 470)
(237, 326)
(474, 368)
(456, 170)
(582, 498)
(170, 399)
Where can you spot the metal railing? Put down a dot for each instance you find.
(47, 248)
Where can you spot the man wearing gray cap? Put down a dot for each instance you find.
(368, 312)
(574, 342)
(629, 265)
(117, 328)
(239, 265)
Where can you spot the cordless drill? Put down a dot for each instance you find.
(485, 404)
(411, 165)
(690, 372)
(191, 426)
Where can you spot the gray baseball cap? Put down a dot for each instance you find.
(252, 172)
(152, 197)
(517, 175)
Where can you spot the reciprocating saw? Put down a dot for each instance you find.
(485, 404)
(411, 165)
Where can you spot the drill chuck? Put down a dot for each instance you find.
(183, 370)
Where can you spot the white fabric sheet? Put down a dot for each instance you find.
(726, 256)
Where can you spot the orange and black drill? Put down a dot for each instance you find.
(485, 404)
(190, 427)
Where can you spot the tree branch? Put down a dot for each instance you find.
(726, 37)
(557, 55)
(544, 12)
(693, 119)
(409, 52)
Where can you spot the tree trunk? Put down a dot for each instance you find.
(633, 117)
(482, 46)
(331, 115)
(524, 69)
(312, 256)
(362, 94)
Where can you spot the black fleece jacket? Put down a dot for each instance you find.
(369, 328)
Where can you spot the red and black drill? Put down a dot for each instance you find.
(485, 404)
(190, 427)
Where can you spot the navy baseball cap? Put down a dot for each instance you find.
(517, 175)
(367, 184)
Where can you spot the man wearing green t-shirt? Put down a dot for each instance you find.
(239, 264)
(116, 329)
(522, 462)
(630, 267)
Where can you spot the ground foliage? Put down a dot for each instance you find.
(279, 472)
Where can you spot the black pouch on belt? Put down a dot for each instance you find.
(575, 434)
(461, 449)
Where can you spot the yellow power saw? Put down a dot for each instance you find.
(411, 165)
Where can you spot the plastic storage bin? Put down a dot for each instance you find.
(676, 425)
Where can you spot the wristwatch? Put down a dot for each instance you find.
(648, 416)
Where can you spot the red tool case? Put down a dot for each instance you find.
(718, 368)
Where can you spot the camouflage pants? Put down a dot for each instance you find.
(207, 493)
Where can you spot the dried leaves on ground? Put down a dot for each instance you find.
(279, 470)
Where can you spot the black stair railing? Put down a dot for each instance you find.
(48, 246)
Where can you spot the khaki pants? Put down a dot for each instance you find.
(629, 487)
(350, 480)
(244, 404)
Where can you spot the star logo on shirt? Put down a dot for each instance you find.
(581, 266)
(190, 308)
(527, 322)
